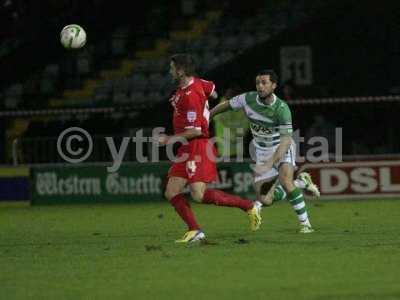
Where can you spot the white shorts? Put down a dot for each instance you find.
(263, 155)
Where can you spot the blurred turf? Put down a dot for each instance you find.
(120, 251)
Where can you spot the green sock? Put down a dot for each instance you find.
(296, 199)
(279, 193)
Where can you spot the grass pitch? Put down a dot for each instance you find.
(127, 252)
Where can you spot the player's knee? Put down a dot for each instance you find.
(287, 184)
(170, 193)
(265, 200)
(197, 195)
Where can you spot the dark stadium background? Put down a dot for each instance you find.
(80, 231)
(355, 53)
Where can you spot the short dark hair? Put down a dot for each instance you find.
(272, 75)
(184, 62)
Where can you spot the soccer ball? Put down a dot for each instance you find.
(73, 36)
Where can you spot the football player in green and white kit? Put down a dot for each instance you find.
(271, 125)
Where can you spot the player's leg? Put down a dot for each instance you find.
(304, 181)
(202, 194)
(267, 188)
(261, 188)
(204, 170)
(269, 192)
(197, 190)
(175, 196)
(294, 196)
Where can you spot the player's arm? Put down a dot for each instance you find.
(285, 131)
(209, 89)
(283, 147)
(188, 134)
(213, 95)
(220, 108)
(236, 103)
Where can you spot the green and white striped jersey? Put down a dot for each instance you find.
(267, 121)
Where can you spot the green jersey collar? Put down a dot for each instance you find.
(263, 104)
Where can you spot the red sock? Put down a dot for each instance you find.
(182, 207)
(218, 197)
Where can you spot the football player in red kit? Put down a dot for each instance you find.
(195, 165)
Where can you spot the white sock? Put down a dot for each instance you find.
(305, 222)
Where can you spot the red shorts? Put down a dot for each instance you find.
(196, 162)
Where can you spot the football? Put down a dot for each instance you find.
(73, 36)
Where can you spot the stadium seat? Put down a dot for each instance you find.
(138, 82)
(137, 97)
(122, 85)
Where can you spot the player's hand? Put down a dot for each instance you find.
(213, 95)
(162, 139)
(263, 168)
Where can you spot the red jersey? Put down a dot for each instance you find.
(191, 106)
